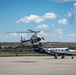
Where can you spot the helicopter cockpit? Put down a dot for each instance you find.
(35, 39)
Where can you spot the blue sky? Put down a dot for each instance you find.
(56, 15)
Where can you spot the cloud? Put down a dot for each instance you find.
(2, 37)
(15, 35)
(31, 18)
(52, 25)
(60, 1)
(69, 14)
(63, 21)
(43, 26)
(12, 37)
(59, 36)
(36, 19)
(59, 31)
(49, 16)
(75, 4)
(72, 15)
(56, 35)
(65, 0)
(43, 34)
(71, 35)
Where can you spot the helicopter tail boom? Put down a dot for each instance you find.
(23, 40)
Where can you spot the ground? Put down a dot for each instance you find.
(37, 65)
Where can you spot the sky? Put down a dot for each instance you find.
(40, 15)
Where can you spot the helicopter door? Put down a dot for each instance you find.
(34, 41)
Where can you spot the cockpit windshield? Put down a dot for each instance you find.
(43, 38)
(38, 39)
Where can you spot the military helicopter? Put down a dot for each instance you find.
(35, 39)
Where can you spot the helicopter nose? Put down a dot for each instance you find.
(42, 43)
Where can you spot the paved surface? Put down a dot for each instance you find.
(39, 65)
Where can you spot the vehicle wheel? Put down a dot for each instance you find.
(62, 56)
(56, 56)
(72, 57)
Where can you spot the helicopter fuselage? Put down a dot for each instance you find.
(35, 39)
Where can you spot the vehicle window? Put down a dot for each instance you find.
(34, 41)
(67, 49)
(58, 50)
(38, 39)
(62, 50)
(43, 38)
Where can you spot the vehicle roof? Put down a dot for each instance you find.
(57, 48)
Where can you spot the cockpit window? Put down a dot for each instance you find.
(67, 49)
(38, 39)
(43, 38)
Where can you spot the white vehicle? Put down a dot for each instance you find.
(60, 52)
(35, 38)
(56, 51)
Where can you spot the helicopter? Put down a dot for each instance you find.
(35, 39)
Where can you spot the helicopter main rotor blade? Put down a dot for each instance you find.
(29, 31)
(19, 32)
(32, 31)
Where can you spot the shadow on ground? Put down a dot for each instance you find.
(24, 62)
